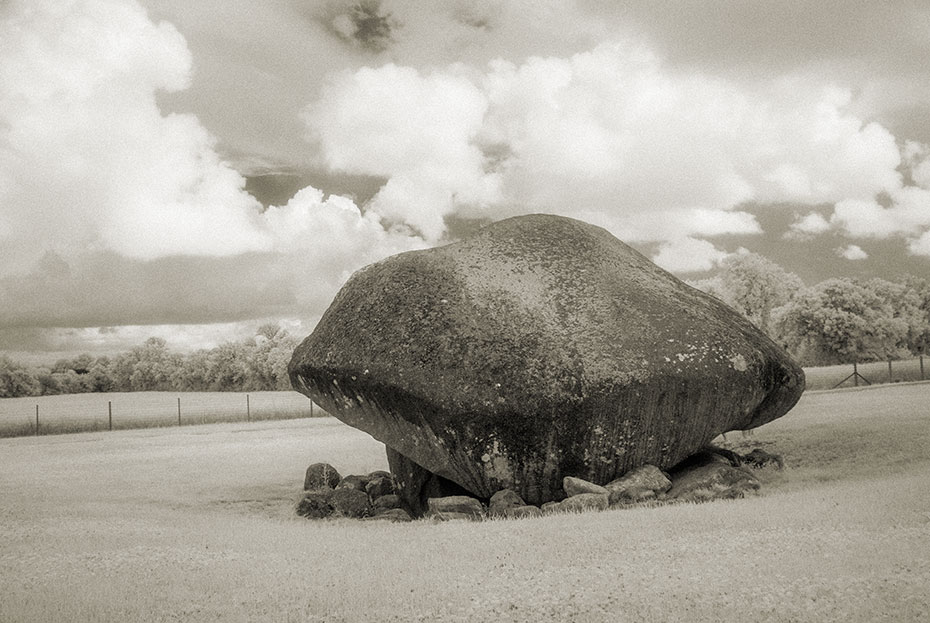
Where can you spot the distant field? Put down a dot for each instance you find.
(71, 413)
(197, 524)
(827, 377)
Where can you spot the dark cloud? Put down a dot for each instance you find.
(364, 24)
(277, 188)
(107, 290)
(741, 36)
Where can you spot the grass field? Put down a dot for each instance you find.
(196, 524)
(72, 413)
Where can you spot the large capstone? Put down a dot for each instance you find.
(538, 348)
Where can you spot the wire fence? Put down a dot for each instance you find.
(72, 413)
(862, 374)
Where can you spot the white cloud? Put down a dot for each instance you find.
(610, 135)
(852, 252)
(88, 163)
(419, 130)
(810, 224)
(89, 159)
(908, 215)
(688, 255)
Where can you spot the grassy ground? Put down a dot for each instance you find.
(71, 413)
(196, 524)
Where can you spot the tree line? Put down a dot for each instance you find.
(834, 321)
(256, 364)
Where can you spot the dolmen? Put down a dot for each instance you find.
(540, 347)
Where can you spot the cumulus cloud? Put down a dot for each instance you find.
(852, 252)
(89, 160)
(688, 255)
(418, 130)
(90, 163)
(113, 213)
(810, 224)
(610, 135)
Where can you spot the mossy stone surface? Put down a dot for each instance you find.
(538, 348)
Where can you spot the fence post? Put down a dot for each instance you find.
(179, 410)
(921, 367)
(855, 374)
(890, 375)
(311, 407)
(248, 409)
(37, 420)
(110, 412)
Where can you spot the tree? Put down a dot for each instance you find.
(753, 286)
(151, 366)
(845, 321)
(16, 380)
(919, 338)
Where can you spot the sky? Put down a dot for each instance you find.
(194, 170)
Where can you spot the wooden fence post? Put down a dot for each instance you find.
(179, 410)
(921, 367)
(890, 375)
(311, 407)
(110, 412)
(855, 374)
(37, 420)
(248, 409)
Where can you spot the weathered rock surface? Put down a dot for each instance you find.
(643, 483)
(454, 505)
(316, 504)
(350, 502)
(537, 348)
(416, 485)
(379, 486)
(577, 486)
(386, 502)
(707, 476)
(321, 476)
(503, 501)
(353, 481)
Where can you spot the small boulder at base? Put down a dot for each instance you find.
(504, 500)
(643, 483)
(538, 347)
(585, 502)
(577, 486)
(321, 476)
(379, 486)
(706, 476)
(350, 502)
(452, 505)
(316, 504)
(353, 482)
(386, 502)
(760, 458)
